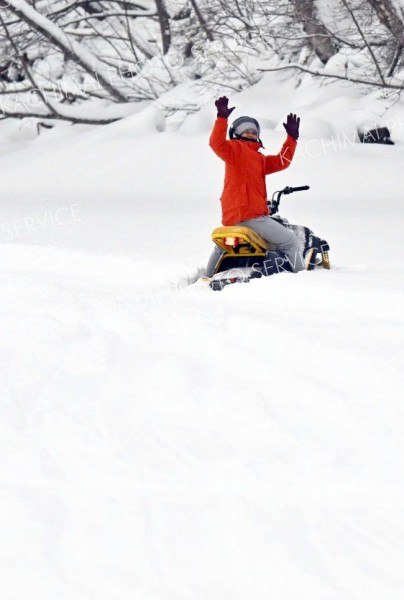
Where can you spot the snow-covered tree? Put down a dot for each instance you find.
(60, 53)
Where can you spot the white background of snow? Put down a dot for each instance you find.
(161, 441)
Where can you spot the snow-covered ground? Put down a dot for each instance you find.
(160, 441)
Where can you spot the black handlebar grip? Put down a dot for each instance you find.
(300, 188)
(289, 190)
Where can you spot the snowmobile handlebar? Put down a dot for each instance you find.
(276, 197)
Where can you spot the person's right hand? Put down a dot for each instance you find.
(223, 109)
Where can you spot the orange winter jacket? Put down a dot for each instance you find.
(244, 195)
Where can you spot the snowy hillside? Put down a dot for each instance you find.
(161, 441)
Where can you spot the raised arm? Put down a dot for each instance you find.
(217, 141)
(278, 162)
(282, 160)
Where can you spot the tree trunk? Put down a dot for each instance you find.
(164, 20)
(319, 38)
(390, 18)
(201, 20)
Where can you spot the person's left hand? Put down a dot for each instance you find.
(292, 126)
(223, 109)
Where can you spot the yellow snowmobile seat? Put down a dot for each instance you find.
(237, 240)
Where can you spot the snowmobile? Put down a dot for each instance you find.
(240, 254)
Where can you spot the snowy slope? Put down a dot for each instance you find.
(161, 441)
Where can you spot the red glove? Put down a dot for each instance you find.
(292, 126)
(222, 107)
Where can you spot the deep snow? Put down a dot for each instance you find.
(161, 441)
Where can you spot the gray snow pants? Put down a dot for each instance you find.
(284, 239)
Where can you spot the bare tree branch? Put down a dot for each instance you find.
(367, 82)
(372, 54)
(201, 20)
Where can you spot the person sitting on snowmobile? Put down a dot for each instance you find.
(244, 197)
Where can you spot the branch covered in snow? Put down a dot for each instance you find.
(123, 51)
(72, 50)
